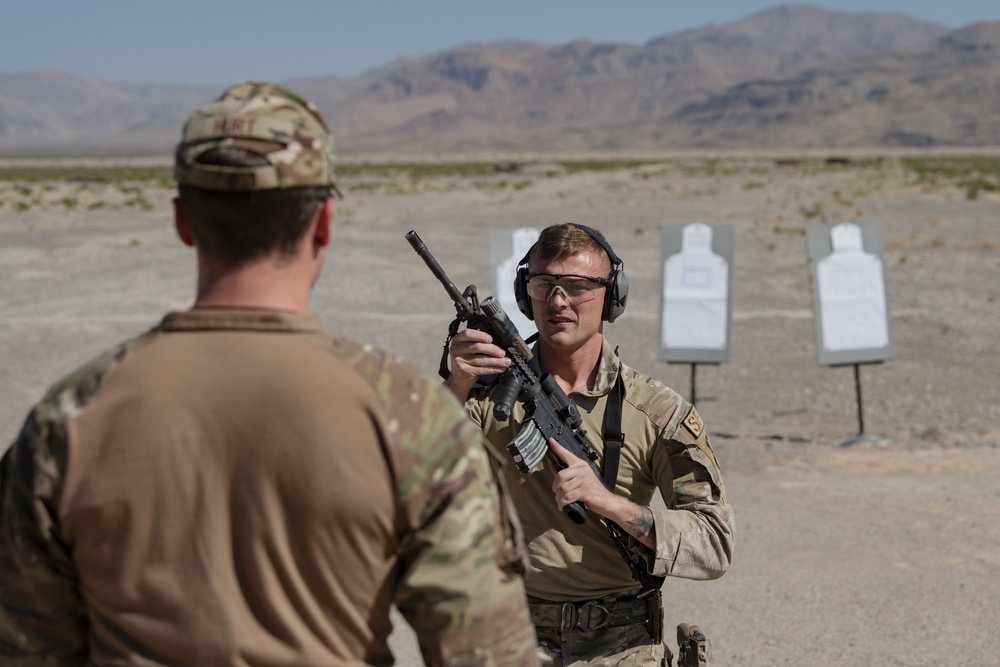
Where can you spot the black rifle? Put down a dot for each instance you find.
(549, 412)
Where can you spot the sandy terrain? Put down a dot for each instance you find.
(870, 554)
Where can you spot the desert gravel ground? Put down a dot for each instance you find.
(867, 554)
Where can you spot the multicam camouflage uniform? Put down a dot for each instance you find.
(666, 449)
(241, 487)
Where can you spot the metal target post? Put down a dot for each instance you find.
(857, 389)
(694, 387)
(861, 437)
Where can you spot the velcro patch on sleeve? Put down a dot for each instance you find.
(693, 423)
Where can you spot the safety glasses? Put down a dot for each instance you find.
(575, 288)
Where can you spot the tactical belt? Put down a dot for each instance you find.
(589, 615)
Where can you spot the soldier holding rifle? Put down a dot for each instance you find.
(589, 606)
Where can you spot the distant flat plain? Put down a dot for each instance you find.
(876, 554)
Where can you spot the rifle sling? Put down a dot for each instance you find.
(614, 440)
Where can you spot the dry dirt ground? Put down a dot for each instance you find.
(866, 554)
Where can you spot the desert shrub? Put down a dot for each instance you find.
(973, 174)
(97, 174)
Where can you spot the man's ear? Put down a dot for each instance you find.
(324, 219)
(183, 231)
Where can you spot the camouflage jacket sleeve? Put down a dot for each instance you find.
(43, 617)
(696, 534)
(461, 586)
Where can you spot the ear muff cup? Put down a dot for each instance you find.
(521, 288)
(615, 295)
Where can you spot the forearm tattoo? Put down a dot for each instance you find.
(642, 524)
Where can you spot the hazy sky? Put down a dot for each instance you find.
(219, 43)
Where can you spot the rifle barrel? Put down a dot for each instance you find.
(464, 311)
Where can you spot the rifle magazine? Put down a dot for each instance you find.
(528, 448)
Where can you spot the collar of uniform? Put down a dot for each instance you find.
(240, 319)
(607, 369)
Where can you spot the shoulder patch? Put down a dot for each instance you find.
(693, 423)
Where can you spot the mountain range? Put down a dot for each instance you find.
(793, 76)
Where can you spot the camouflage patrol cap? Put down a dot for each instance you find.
(264, 119)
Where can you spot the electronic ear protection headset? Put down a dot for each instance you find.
(615, 294)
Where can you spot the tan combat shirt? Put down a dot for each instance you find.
(240, 487)
(666, 449)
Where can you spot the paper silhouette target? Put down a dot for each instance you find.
(507, 248)
(849, 294)
(695, 293)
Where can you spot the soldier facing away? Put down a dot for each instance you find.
(238, 486)
(590, 605)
